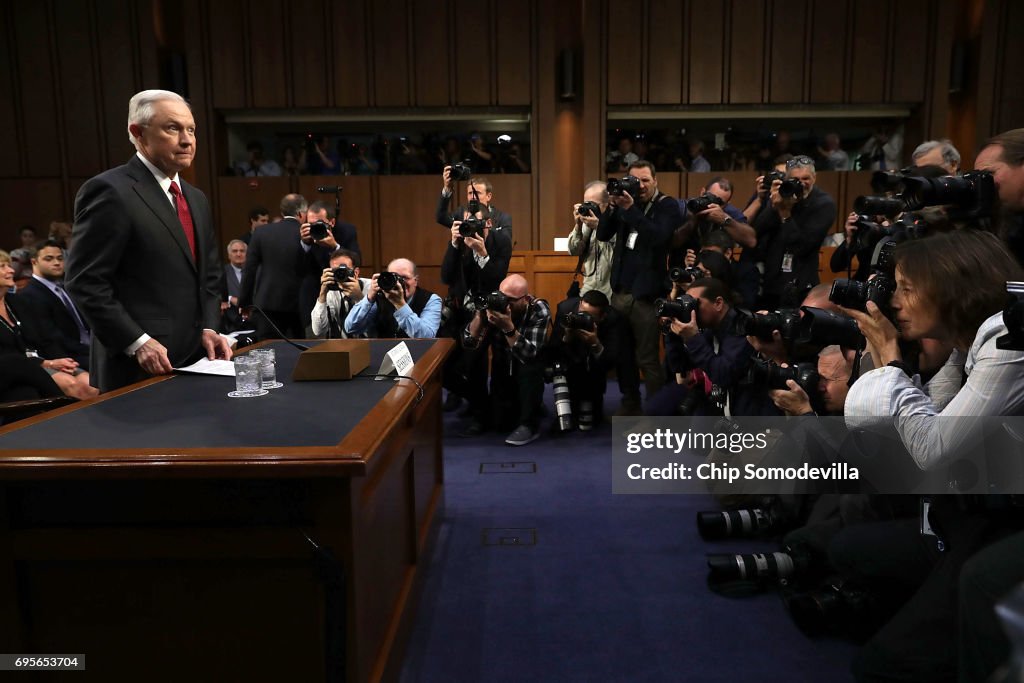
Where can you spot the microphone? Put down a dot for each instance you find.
(300, 347)
(330, 188)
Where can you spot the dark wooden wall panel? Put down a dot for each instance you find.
(11, 150)
(514, 45)
(432, 41)
(513, 194)
(357, 207)
(706, 31)
(405, 207)
(828, 51)
(227, 58)
(79, 101)
(116, 66)
(311, 54)
(390, 49)
(36, 75)
(236, 196)
(351, 69)
(472, 59)
(33, 202)
(1011, 93)
(267, 65)
(868, 54)
(746, 55)
(910, 58)
(624, 55)
(787, 54)
(666, 46)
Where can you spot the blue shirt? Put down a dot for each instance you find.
(363, 316)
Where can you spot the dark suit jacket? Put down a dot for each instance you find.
(641, 271)
(132, 272)
(274, 266)
(461, 273)
(55, 332)
(320, 258)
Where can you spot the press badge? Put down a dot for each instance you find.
(787, 262)
(631, 240)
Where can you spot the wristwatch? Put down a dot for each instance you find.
(727, 221)
(509, 333)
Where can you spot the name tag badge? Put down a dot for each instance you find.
(787, 262)
(631, 240)
(31, 353)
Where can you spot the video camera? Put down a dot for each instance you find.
(630, 185)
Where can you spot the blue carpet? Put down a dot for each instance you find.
(613, 590)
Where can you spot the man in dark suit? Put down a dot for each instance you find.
(340, 236)
(61, 329)
(231, 286)
(274, 267)
(145, 267)
(478, 190)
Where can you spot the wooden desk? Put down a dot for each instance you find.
(199, 563)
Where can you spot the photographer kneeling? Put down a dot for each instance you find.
(585, 344)
(341, 288)
(396, 306)
(950, 287)
(514, 325)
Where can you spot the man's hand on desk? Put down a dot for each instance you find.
(152, 356)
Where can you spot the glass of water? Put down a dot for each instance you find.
(248, 377)
(268, 360)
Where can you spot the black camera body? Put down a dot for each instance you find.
(580, 321)
(680, 309)
(495, 301)
(703, 202)
(387, 281)
(589, 209)
(685, 275)
(820, 328)
(790, 188)
(970, 196)
(472, 227)
(461, 171)
(877, 205)
(622, 186)
(318, 230)
(761, 325)
(342, 274)
(856, 294)
(774, 376)
(769, 178)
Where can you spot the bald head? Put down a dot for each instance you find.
(514, 286)
(817, 297)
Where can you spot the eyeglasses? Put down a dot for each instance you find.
(801, 160)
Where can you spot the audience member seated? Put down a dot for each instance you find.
(27, 237)
(60, 328)
(256, 164)
(341, 288)
(514, 326)
(231, 284)
(258, 216)
(403, 310)
(21, 261)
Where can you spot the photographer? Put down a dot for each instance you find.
(746, 279)
(588, 352)
(341, 288)
(514, 326)
(937, 153)
(790, 232)
(324, 236)
(842, 257)
(835, 367)
(478, 197)
(474, 264)
(403, 310)
(642, 227)
(706, 213)
(1003, 156)
(596, 263)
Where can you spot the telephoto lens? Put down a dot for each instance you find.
(856, 294)
(744, 523)
(563, 404)
(870, 205)
(387, 281)
(752, 567)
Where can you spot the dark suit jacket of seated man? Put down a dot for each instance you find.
(152, 305)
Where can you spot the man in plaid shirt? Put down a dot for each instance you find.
(515, 327)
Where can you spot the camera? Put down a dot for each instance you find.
(836, 607)
(387, 281)
(318, 230)
(589, 209)
(627, 185)
(472, 227)
(685, 275)
(495, 301)
(883, 181)
(555, 375)
(855, 294)
(461, 171)
(681, 309)
(791, 187)
(875, 205)
(742, 523)
(1013, 318)
(761, 325)
(758, 567)
(774, 376)
(579, 321)
(820, 328)
(699, 397)
(703, 202)
(342, 274)
(970, 196)
(769, 178)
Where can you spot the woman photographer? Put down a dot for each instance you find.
(950, 287)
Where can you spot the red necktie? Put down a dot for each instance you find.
(185, 216)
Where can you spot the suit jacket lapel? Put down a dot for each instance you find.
(150, 192)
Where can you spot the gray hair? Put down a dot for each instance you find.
(949, 153)
(228, 249)
(595, 183)
(140, 107)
